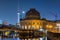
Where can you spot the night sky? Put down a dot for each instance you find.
(47, 9)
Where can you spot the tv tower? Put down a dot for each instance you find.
(18, 15)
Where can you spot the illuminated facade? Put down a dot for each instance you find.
(33, 21)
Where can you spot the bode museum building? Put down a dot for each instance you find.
(33, 27)
(33, 21)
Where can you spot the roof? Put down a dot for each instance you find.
(32, 14)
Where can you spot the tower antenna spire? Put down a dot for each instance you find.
(18, 15)
(18, 5)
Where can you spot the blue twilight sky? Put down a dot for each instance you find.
(8, 9)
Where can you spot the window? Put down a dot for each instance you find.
(29, 23)
(22, 27)
(37, 23)
(32, 27)
(29, 27)
(37, 26)
(25, 39)
(25, 27)
(33, 23)
(29, 39)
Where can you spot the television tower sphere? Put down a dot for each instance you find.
(18, 13)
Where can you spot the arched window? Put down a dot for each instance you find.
(29, 27)
(38, 23)
(33, 23)
(37, 27)
(58, 26)
(25, 39)
(25, 27)
(32, 27)
(29, 39)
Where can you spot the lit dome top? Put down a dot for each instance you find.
(32, 14)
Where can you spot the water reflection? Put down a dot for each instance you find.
(9, 39)
(41, 38)
(20, 39)
(12, 34)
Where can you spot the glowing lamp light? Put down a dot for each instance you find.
(41, 29)
(6, 33)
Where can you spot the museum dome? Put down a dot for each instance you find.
(32, 14)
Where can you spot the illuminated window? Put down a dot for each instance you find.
(22, 39)
(37, 26)
(40, 27)
(22, 27)
(25, 27)
(58, 26)
(32, 27)
(49, 26)
(33, 23)
(29, 27)
(29, 23)
(29, 39)
(35, 39)
(25, 39)
(38, 23)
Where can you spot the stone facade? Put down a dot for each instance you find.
(33, 21)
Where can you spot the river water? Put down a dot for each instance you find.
(45, 38)
(17, 38)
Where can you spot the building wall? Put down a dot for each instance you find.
(50, 26)
(32, 24)
(37, 24)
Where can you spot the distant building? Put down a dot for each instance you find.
(4, 22)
